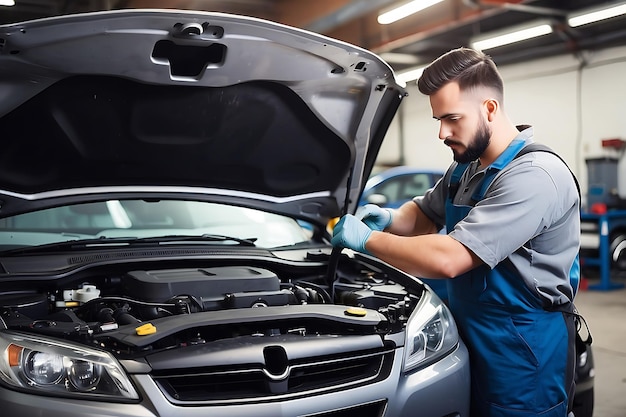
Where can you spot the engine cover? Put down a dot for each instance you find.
(206, 284)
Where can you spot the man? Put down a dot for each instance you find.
(513, 231)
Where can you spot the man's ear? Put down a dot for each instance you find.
(491, 106)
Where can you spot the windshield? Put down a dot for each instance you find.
(145, 219)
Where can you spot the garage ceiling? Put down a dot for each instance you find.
(418, 38)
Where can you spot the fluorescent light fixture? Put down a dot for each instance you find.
(513, 35)
(594, 15)
(409, 75)
(405, 10)
(7, 2)
(398, 58)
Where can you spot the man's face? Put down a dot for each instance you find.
(463, 126)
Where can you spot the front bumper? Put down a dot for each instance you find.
(441, 389)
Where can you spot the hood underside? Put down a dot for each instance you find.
(166, 102)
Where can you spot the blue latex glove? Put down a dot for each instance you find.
(351, 233)
(374, 217)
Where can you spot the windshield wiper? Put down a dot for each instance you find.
(105, 241)
(190, 238)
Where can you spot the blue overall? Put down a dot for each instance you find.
(521, 358)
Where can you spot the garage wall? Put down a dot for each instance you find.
(571, 106)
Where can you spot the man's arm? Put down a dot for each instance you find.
(410, 220)
(427, 256)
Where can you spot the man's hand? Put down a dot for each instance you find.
(351, 233)
(374, 217)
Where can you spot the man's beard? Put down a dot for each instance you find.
(476, 148)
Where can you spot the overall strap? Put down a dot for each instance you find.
(455, 180)
(507, 156)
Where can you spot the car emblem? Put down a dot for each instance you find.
(276, 363)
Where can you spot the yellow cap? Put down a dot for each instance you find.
(356, 311)
(145, 329)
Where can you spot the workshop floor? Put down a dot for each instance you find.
(605, 312)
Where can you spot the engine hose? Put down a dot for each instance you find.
(122, 316)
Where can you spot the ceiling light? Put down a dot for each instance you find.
(512, 35)
(593, 15)
(7, 2)
(409, 75)
(398, 58)
(407, 9)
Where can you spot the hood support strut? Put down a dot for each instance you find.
(333, 260)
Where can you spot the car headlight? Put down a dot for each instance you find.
(430, 333)
(47, 366)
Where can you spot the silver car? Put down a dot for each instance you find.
(166, 182)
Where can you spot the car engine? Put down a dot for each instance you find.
(215, 331)
(229, 301)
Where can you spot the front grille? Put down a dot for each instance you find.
(247, 384)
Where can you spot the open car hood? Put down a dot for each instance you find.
(162, 102)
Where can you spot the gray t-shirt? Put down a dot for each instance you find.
(529, 214)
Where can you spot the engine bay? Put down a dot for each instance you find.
(141, 310)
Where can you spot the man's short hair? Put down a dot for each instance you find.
(468, 67)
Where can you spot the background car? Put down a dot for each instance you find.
(395, 186)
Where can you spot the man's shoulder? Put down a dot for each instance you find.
(542, 155)
(545, 165)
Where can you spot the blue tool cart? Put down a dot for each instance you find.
(603, 238)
